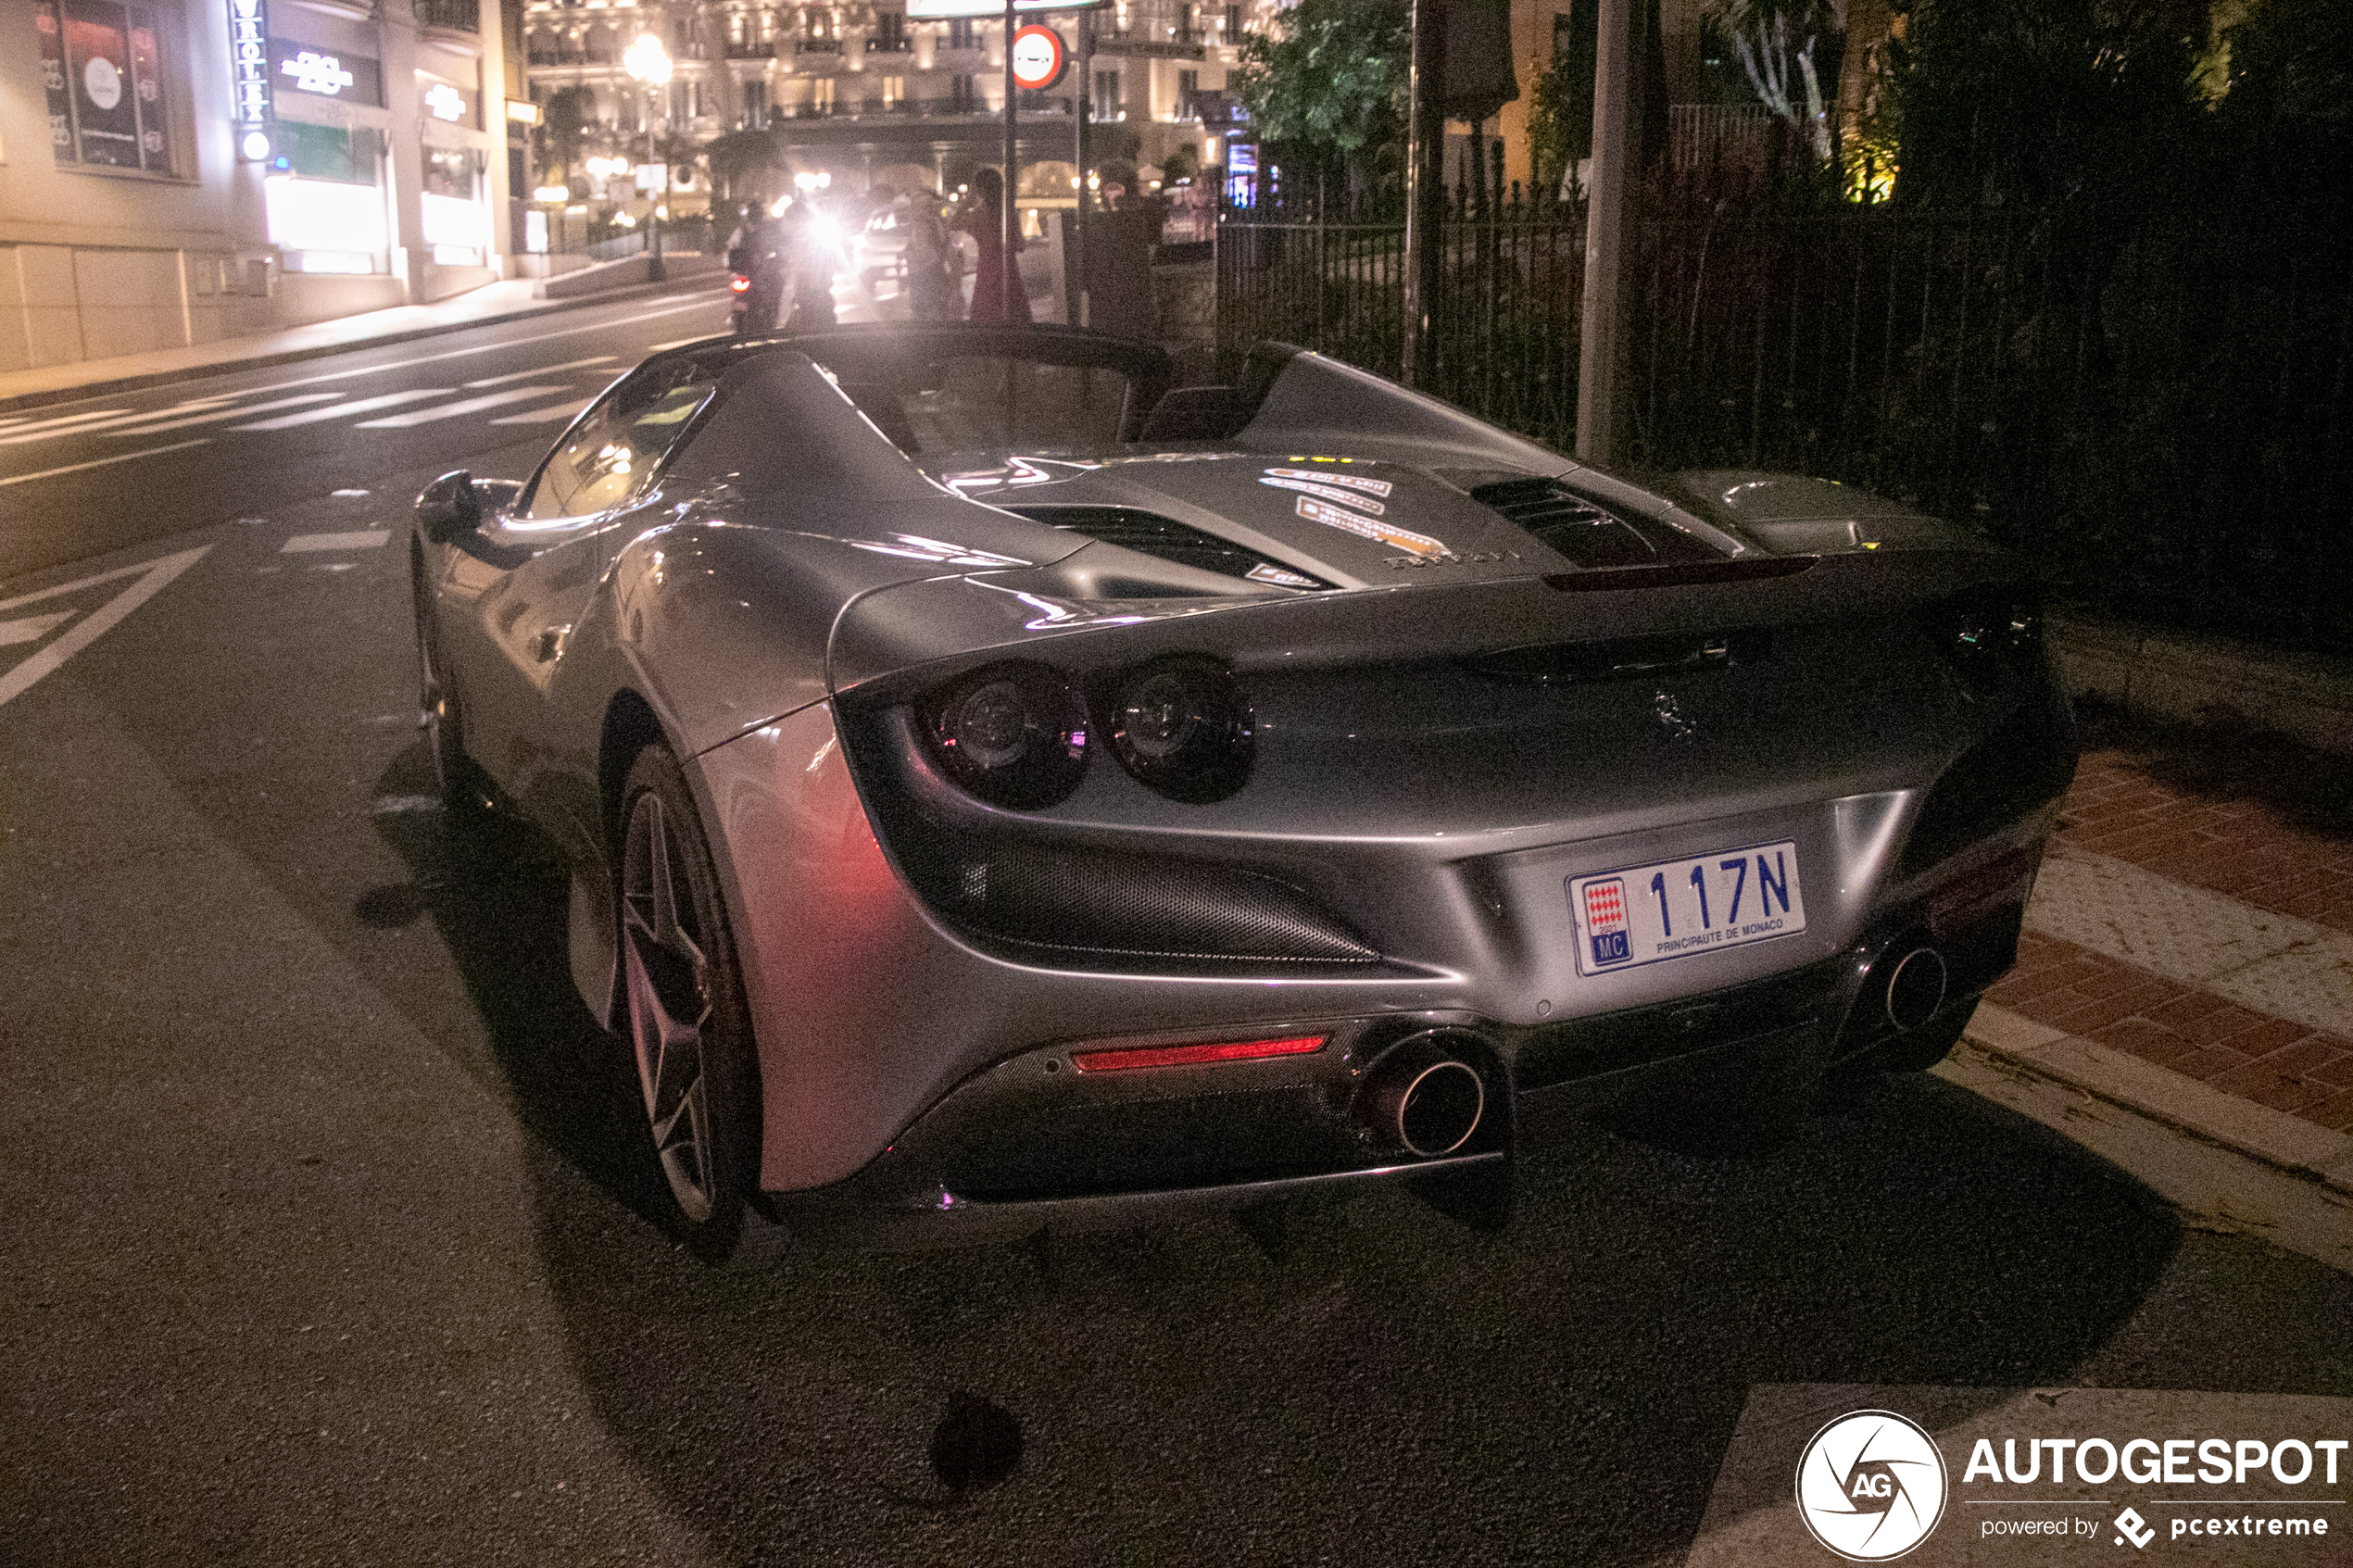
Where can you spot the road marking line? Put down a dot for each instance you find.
(547, 415)
(338, 410)
(32, 629)
(397, 805)
(217, 415)
(543, 371)
(366, 541)
(700, 303)
(102, 462)
(697, 302)
(458, 409)
(155, 576)
(79, 424)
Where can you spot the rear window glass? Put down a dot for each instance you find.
(986, 402)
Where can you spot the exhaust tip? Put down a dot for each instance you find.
(1423, 1098)
(1916, 988)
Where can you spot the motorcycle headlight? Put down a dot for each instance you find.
(1183, 727)
(1014, 734)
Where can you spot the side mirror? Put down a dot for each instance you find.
(448, 507)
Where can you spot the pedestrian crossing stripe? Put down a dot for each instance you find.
(149, 578)
(361, 541)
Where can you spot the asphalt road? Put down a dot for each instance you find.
(323, 1206)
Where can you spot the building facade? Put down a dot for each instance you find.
(861, 92)
(175, 171)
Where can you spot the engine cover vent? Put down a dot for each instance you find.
(1588, 535)
(1164, 538)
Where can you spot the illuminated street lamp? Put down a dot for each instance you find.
(646, 61)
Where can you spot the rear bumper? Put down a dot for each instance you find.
(1033, 1144)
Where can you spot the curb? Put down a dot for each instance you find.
(320, 351)
(2285, 1143)
(2194, 678)
(2223, 1163)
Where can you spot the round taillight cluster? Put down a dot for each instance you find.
(1182, 726)
(1015, 734)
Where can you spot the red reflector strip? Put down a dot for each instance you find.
(1188, 1056)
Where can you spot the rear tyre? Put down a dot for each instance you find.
(465, 795)
(689, 1028)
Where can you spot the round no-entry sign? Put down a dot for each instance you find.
(1039, 58)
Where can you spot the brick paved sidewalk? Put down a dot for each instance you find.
(2198, 913)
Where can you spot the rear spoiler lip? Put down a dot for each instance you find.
(1747, 569)
(915, 633)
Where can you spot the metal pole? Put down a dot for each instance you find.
(1082, 104)
(653, 213)
(1013, 172)
(1425, 177)
(1600, 339)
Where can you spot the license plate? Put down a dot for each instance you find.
(1672, 909)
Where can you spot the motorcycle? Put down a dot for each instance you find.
(755, 290)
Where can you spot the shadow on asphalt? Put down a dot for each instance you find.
(1385, 1385)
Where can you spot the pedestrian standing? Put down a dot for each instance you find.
(986, 223)
(933, 262)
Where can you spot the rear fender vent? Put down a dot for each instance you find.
(1086, 905)
(1587, 534)
(1626, 658)
(1164, 538)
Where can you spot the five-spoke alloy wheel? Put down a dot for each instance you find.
(683, 994)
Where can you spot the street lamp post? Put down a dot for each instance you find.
(648, 62)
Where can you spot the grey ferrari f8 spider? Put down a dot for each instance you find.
(1002, 790)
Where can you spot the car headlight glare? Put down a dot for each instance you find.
(1014, 735)
(1183, 727)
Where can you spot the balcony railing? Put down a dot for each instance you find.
(456, 16)
(889, 45)
(816, 46)
(748, 50)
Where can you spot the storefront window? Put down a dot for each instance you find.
(450, 171)
(328, 152)
(103, 69)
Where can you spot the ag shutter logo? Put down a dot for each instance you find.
(1870, 1485)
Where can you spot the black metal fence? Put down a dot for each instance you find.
(2157, 406)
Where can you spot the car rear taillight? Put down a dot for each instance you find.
(740, 283)
(1128, 1058)
(1183, 727)
(1014, 735)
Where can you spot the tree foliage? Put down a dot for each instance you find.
(1560, 125)
(1331, 79)
(2286, 111)
(2036, 101)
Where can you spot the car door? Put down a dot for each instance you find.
(524, 580)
